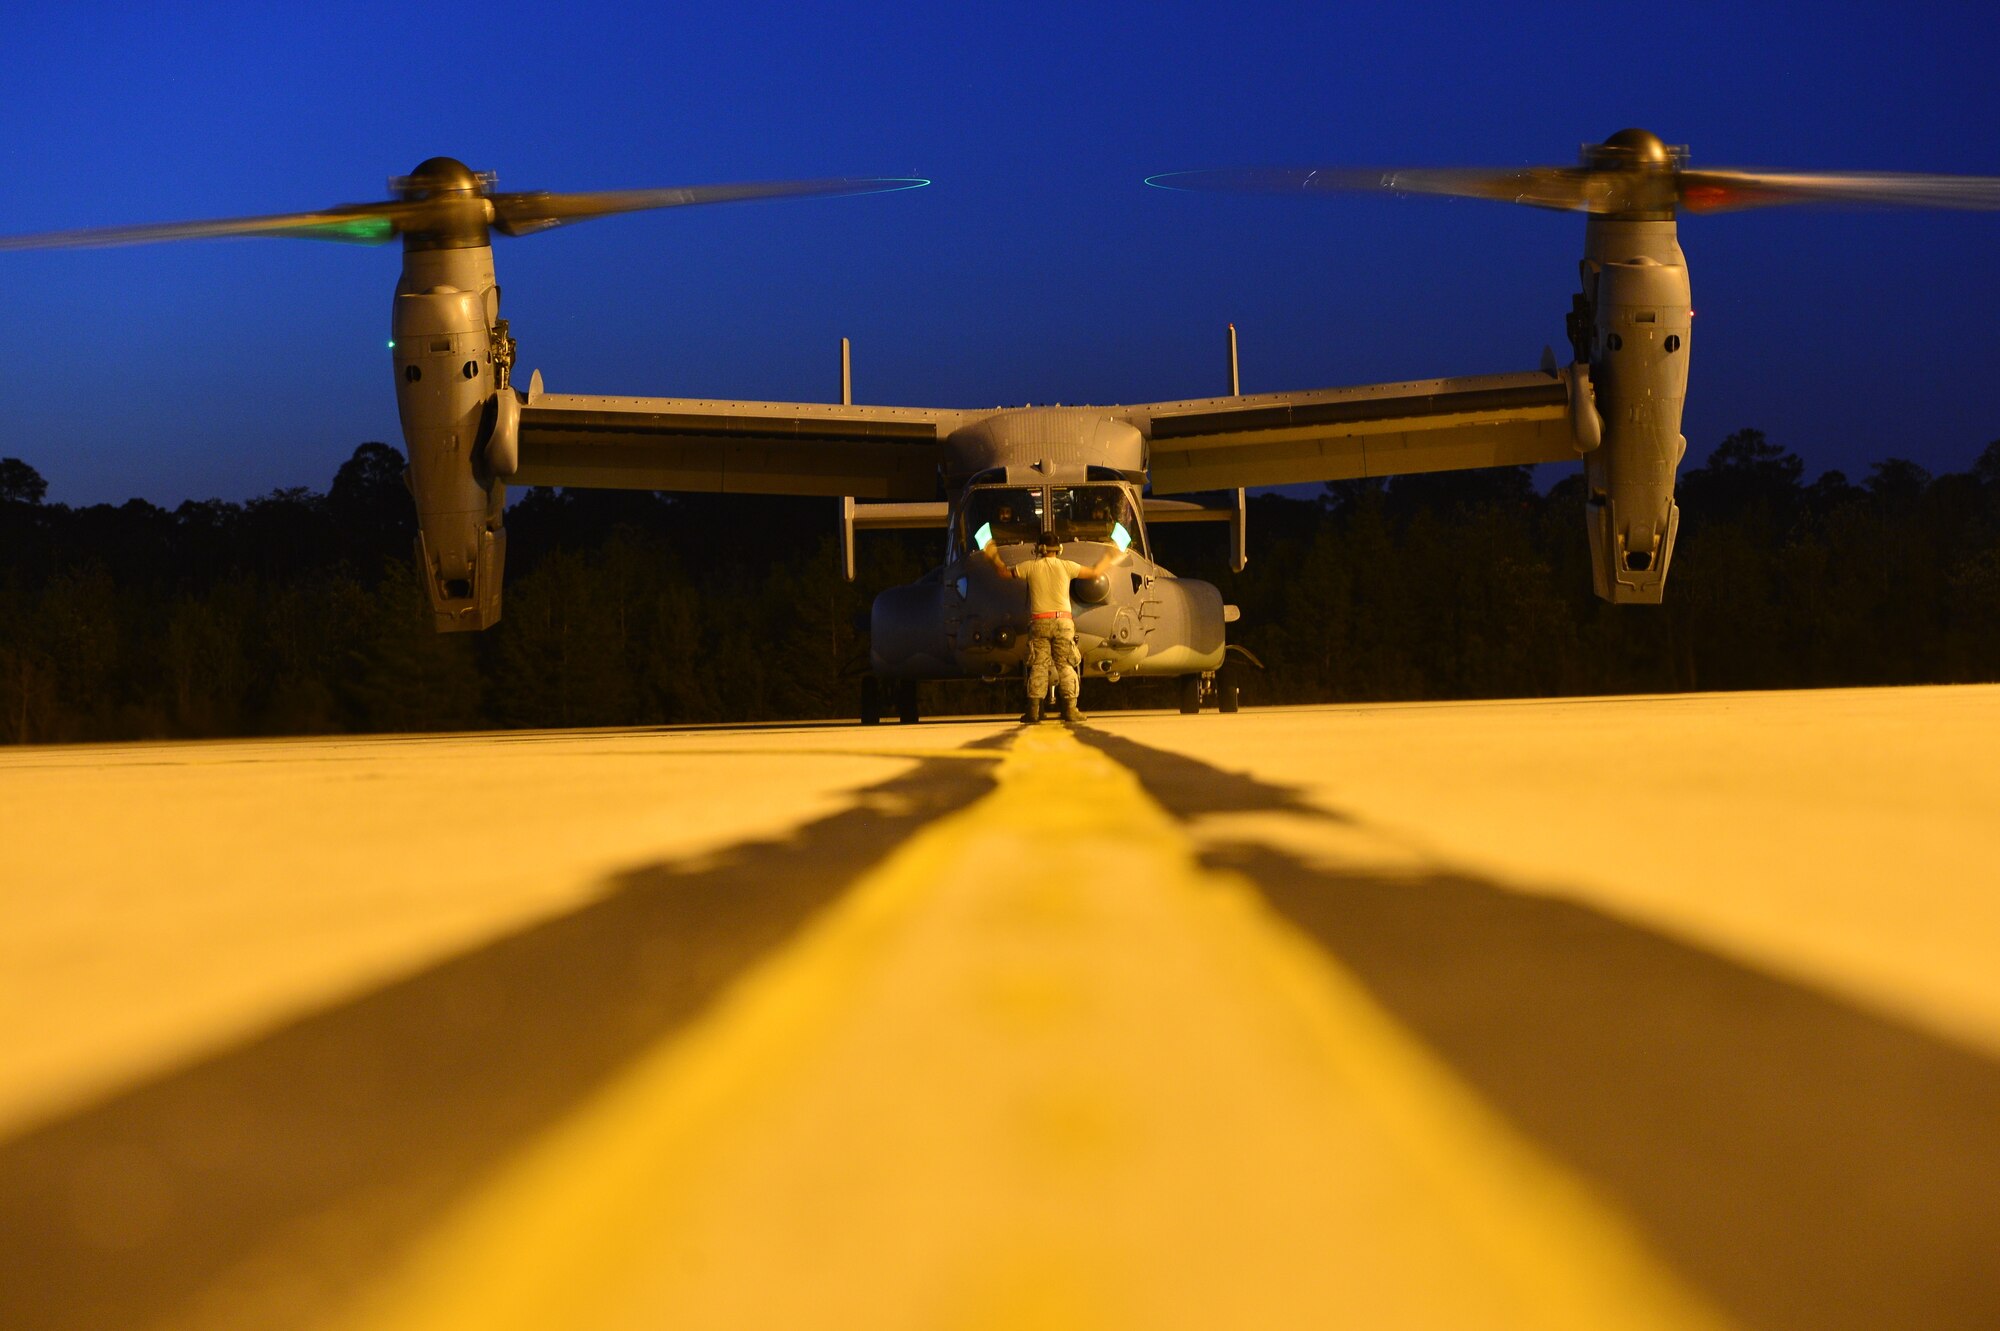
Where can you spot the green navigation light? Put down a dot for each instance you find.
(366, 230)
(360, 230)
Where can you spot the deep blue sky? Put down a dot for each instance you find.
(1038, 268)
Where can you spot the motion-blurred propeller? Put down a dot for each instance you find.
(1632, 173)
(444, 197)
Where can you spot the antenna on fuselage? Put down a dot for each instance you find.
(1239, 550)
(846, 501)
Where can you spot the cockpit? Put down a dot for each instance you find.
(1101, 512)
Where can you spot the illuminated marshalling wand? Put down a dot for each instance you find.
(453, 352)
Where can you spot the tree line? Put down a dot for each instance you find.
(300, 613)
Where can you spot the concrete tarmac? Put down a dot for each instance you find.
(1644, 1012)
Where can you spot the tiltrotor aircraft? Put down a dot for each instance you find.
(1094, 476)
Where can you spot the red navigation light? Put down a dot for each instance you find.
(1701, 198)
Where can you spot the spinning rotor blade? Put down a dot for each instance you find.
(1632, 172)
(451, 199)
(1726, 191)
(1563, 187)
(355, 224)
(520, 214)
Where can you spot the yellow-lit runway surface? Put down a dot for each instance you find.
(1647, 1013)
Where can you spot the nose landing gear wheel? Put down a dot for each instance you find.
(1190, 694)
(906, 701)
(871, 700)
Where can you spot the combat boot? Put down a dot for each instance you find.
(1072, 717)
(1034, 712)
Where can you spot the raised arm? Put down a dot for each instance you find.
(1111, 559)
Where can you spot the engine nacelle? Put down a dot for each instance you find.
(446, 394)
(1636, 283)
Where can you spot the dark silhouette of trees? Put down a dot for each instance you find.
(20, 483)
(298, 612)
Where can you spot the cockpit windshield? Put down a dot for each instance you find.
(1100, 513)
(1017, 515)
(1006, 515)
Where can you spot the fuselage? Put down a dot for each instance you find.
(1076, 472)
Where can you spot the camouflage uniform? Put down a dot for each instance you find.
(1053, 641)
(1051, 633)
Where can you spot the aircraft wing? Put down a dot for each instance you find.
(767, 448)
(1336, 434)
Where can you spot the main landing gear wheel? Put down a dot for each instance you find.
(906, 701)
(1218, 688)
(871, 701)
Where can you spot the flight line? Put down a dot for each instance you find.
(1302, 1016)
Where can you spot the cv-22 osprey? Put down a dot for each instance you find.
(1006, 476)
(1095, 477)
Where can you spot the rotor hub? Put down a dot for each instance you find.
(445, 205)
(1633, 149)
(441, 177)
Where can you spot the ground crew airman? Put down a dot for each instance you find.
(1051, 628)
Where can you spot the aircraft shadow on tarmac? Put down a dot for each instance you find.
(1804, 1162)
(260, 1186)
(1800, 1160)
